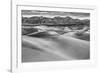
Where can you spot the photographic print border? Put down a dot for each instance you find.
(16, 66)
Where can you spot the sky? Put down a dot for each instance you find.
(30, 13)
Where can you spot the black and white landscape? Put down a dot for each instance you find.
(55, 36)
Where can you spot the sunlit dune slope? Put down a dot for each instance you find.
(53, 48)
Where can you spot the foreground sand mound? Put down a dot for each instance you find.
(54, 48)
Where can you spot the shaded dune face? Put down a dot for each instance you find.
(40, 35)
(28, 30)
(84, 36)
(54, 48)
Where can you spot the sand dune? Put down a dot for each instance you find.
(53, 48)
(84, 36)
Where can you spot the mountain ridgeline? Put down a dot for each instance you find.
(54, 21)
